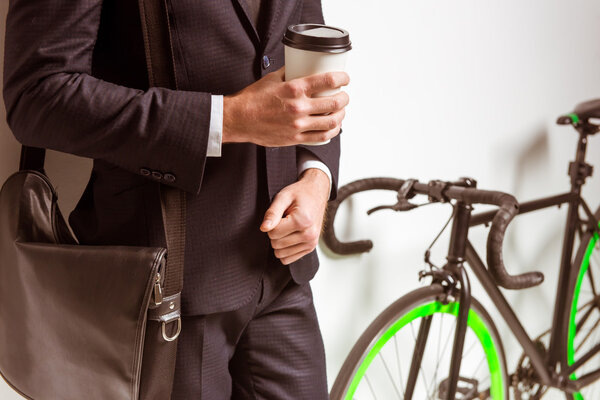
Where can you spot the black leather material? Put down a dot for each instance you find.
(73, 317)
(89, 321)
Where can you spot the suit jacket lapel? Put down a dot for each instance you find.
(246, 18)
(278, 10)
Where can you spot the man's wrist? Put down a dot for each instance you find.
(306, 160)
(317, 177)
(229, 111)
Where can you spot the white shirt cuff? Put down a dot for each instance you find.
(306, 159)
(215, 132)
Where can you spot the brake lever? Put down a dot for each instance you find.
(404, 193)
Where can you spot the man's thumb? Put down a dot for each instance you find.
(274, 214)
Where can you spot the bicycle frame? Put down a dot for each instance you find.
(551, 367)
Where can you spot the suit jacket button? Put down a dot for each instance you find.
(169, 177)
(145, 171)
(266, 63)
(157, 175)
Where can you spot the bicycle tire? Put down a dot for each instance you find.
(419, 303)
(584, 326)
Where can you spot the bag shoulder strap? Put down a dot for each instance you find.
(160, 64)
(161, 73)
(32, 158)
(156, 31)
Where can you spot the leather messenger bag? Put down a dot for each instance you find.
(89, 322)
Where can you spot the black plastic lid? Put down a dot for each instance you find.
(317, 37)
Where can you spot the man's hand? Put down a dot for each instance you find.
(273, 113)
(295, 217)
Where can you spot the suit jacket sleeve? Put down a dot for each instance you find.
(53, 101)
(329, 153)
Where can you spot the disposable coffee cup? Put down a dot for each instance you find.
(314, 49)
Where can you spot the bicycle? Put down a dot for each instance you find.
(404, 353)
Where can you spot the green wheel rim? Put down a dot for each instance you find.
(474, 322)
(572, 323)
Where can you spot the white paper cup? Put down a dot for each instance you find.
(314, 49)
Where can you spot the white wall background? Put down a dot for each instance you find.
(440, 89)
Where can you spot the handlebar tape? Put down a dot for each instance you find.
(508, 209)
(359, 246)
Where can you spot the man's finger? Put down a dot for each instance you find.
(324, 122)
(287, 241)
(326, 81)
(285, 227)
(295, 257)
(319, 136)
(275, 212)
(328, 104)
(291, 251)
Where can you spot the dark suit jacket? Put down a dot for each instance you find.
(75, 81)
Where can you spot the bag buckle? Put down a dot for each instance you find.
(164, 330)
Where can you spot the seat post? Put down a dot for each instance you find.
(579, 170)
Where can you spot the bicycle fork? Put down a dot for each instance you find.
(455, 268)
(459, 336)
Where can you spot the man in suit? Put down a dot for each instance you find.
(230, 136)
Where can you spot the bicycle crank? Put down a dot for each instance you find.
(466, 389)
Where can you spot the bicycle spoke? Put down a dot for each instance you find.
(589, 271)
(380, 354)
(585, 344)
(586, 315)
(478, 366)
(370, 386)
(434, 380)
(443, 351)
(589, 327)
(592, 337)
(421, 366)
(439, 342)
(588, 304)
(466, 353)
(588, 335)
(398, 361)
(485, 380)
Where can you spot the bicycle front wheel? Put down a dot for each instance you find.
(379, 365)
(584, 322)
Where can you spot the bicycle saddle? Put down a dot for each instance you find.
(582, 114)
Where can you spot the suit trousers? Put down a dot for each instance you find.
(270, 348)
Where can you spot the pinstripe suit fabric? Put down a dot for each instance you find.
(75, 81)
(269, 349)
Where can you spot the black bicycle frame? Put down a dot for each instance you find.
(456, 258)
(551, 368)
